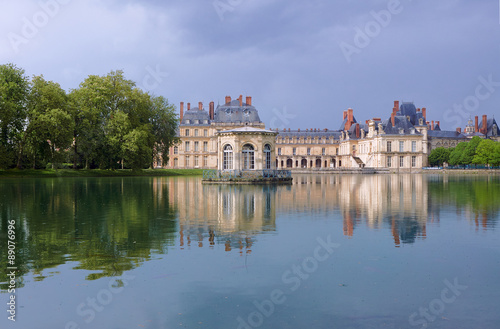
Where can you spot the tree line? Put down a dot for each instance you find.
(106, 123)
(477, 151)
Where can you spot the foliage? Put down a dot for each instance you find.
(477, 151)
(106, 123)
(439, 155)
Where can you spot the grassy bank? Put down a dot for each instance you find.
(15, 173)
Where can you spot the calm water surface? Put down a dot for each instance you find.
(351, 251)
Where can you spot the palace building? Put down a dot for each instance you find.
(403, 141)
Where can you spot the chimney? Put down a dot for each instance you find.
(437, 124)
(241, 100)
(396, 105)
(298, 129)
(424, 113)
(211, 111)
(200, 106)
(432, 125)
(249, 100)
(288, 129)
(418, 109)
(366, 121)
(228, 99)
(485, 124)
(182, 111)
(394, 110)
(393, 118)
(350, 119)
(459, 130)
(476, 126)
(345, 115)
(189, 106)
(357, 130)
(377, 119)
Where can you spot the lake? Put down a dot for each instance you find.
(328, 251)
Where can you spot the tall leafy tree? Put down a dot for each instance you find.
(439, 155)
(14, 89)
(470, 150)
(47, 126)
(164, 124)
(456, 154)
(485, 152)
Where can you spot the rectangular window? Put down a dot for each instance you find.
(389, 147)
(205, 161)
(414, 146)
(308, 151)
(337, 151)
(401, 146)
(294, 151)
(176, 150)
(279, 150)
(187, 162)
(196, 161)
(323, 151)
(389, 161)
(205, 132)
(413, 161)
(401, 162)
(186, 147)
(205, 146)
(196, 132)
(187, 132)
(196, 146)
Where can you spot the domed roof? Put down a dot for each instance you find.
(233, 112)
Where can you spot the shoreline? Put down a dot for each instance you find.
(51, 173)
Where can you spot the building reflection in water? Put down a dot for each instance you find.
(231, 215)
(401, 205)
(398, 202)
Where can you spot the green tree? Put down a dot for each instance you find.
(470, 150)
(44, 99)
(56, 126)
(456, 154)
(164, 123)
(118, 127)
(485, 152)
(14, 88)
(496, 155)
(136, 148)
(439, 155)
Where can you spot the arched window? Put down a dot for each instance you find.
(267, 156)
(227, 163)
(248, 157)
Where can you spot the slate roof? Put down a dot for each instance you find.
(233, 112)
(402, 126)
(335, 134)
(195, 114)
(248, 129)
(445, 134)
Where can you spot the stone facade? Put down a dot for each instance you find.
(403, 141)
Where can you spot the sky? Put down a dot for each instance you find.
(303, 62)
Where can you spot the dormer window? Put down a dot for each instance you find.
(401, 131)
(188, 121)
(196, 122)
(421, 121)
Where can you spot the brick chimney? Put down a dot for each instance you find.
(344, 116)
(424, 113)
(249, 100)
(485, 124)
(241, 100)
(459, 130)
(394, 110)
(182, 111)
(298, 129)
(288, 129)
(357, 130)
(350, 119)
(228, 99)
(189, 106)
(396, 105)
(200, 106)
(476, 125)
(432, 125)
(418, 109)
(211, 111)
(393, 118)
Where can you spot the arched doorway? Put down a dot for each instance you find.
(267, 156)
(303, 163)
(227, 163)
(289, 163)
(318, 163)
(248, 157)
